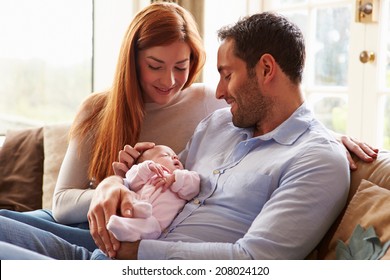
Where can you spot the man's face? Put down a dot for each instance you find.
(249, 106)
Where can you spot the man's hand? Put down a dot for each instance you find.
(128, 251)
(110, 198)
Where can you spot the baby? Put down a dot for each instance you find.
(160, 187)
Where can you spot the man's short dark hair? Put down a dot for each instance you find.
(269, 33)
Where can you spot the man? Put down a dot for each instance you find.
(273, 179)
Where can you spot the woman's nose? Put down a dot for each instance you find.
(168, 79)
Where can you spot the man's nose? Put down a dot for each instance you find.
(220, 92)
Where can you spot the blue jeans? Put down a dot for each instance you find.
(22, 241)
(77, 234)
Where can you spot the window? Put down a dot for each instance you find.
(45, 60)
(229, 11)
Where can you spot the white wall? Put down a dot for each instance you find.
(218, 15)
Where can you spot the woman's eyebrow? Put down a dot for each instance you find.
(161, 61)
(182, 61)
(155, 59)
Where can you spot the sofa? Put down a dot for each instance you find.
(30, 160)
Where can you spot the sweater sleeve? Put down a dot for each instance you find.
(72, 195)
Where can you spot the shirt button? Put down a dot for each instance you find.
(216, 171)
(196, 201)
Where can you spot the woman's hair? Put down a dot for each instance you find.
(117, 115)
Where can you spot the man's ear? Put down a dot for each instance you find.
(266, 67)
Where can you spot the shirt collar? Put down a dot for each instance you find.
(292, 128)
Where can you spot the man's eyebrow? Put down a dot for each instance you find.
(161, 61)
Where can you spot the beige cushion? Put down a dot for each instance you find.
(55, 144)
(368, 207)
(377, 172)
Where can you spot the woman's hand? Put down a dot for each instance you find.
(362, 150)
(110, 197)
(128, 156)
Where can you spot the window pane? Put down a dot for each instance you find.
(332, 111)
(45, 60)
(300, 18)
(332, 41)
(277, 4)
(386, 123)
(387, 36)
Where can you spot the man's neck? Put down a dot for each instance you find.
(279, 113)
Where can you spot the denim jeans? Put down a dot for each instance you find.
(22, 241)
(77, 234)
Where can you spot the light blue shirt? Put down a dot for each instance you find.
(267, 197)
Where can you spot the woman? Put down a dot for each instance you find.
(153, 98)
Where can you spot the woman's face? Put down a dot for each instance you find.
(163, 71)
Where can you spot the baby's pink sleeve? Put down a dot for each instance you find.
(187, 184)
(138, 175)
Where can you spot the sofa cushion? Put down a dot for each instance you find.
(21, 169)
(55, 145)
(377, 172)
(368, 207)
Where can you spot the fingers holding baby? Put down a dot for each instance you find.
(128, 156)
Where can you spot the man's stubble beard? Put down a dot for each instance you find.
(252, 107)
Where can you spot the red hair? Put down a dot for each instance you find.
(114, 118)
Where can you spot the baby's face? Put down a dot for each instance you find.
(165, 156)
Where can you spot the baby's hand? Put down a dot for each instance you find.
(165, 182)
(157, 168)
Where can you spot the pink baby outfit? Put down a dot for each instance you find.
(153, 210)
